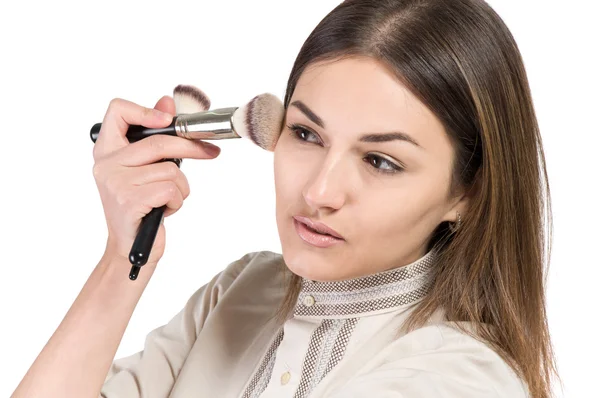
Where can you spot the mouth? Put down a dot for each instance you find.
(318, 227)
(316, 233)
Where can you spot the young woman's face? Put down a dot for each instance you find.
(329, 175)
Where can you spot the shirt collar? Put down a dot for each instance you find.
(366, 295)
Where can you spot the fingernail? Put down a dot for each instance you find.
(212, 149)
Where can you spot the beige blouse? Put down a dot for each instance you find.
(341, 342)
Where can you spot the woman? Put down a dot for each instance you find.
(411, 137)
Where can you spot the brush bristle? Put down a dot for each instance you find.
(190, 99)
(260, 120)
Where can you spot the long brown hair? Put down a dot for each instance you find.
(459, 58)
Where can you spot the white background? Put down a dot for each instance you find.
(62, 62)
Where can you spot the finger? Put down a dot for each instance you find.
(166, 104)
(163, 171)
(157, 147)
(168, 211)
(157, 194)
(119, 116)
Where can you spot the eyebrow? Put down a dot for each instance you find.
(370, 137)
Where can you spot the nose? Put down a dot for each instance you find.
(326, 189)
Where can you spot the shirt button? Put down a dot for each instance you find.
(309, 301)
(285, 378)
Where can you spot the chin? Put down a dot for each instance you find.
(305, 260)
(308, 263)
(311, 272)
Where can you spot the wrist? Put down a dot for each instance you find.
(113, 255)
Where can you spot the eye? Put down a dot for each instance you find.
(298, 132)
(378, 160)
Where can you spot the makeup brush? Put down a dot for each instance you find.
(260, 120)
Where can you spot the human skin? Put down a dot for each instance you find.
(326, 174)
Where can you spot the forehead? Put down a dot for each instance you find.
(361, 94)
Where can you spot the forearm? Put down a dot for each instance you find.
(76, 359)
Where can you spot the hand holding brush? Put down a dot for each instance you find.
(130, 137)
(129, 181)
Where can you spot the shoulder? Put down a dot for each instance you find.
(441, 360)
(251, 265)
(168, 346)
(442, 353)
(478, 359)
(253, 272)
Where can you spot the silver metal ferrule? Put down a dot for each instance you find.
(213, 124)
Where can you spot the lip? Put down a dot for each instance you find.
(314, 238)
(319, 226)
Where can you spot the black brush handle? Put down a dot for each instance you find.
(136, 132)
(142, 245)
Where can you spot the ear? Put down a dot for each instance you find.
(461, 206)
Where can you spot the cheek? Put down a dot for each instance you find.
(290, 168)
(393, 213)
(385, 218)
(281, 166)
(406, 217)
(288, 181)
(283, 173)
